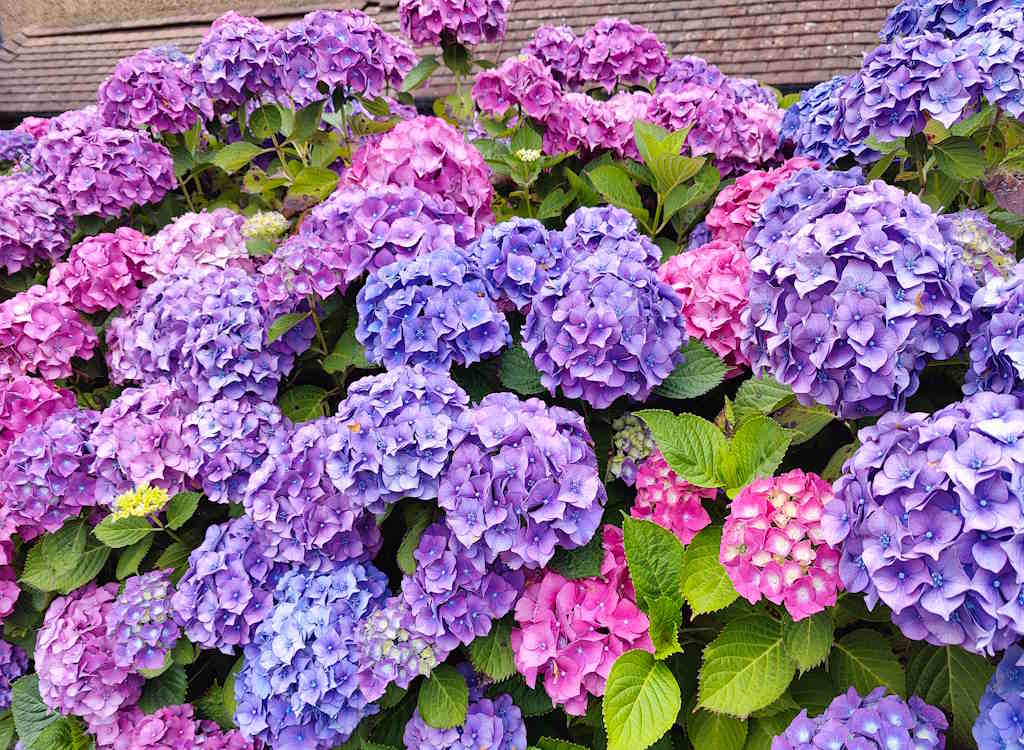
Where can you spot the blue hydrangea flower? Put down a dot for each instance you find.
(1000, 722)
(495, 725)
(13, 664)
(809, 125)
(996, 332)
(606, 228)
(139, 626)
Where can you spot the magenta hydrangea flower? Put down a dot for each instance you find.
(773, 544)
(711, 282)
(13, 664)
(28, 402)
(137, 442)
(139, 624)
(571, 632)
(584, 124)
(566, 128)
(167, 728)
(523, 482)
(34, 126)
(665, 498)
(75, 662)
(524, 82)
(692, 69)
(103, 271)
(616, 52)
(494, 724)
(153, 88)
(207, 238)
(33, 224)
(234, 61)
(44, 475)
(987, 251)
(427, 153)
(391, 651)
(41, 333)
(558, 48)
(9, 590)
(607, 328)
(469, 22)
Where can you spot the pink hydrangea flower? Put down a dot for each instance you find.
(773, 544)
(664, 497)
(103, 272)
(168, 728)
(430, 154)
(571, 632)
(468, 22)
(9, 590)
(34, 126)
(736, 207)
(207, 238)
(584, 124)
(522, 81)
(711, 281)
(41, 333)
(26, 402)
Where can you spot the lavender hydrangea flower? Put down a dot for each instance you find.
(853, 289)
(997, 363)
(987, 251)
(809, 126)
(952, 18)
(45, 474)
(15, 145)
(558, 48)
(523, 482)
(297, 687)
(390, 650)
(928, 513)
(496, 724)
(1001, 62)
(691, 69)
(591, 229)
(607, 328)
(33, 224)
(139, 624)
(616, 51)
(233, 62)
(206, 238)
(1000, 722)
(431, 310)
(469, 22)
(13, 664)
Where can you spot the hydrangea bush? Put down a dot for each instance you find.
(609, 401)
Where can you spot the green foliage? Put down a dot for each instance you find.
(283, 324)
(700, 371)
(518, 373)
(167, 689)
(31, 715)
(492, 654)
(63, 561)
(347, 352)
(708, 731)
(864, 659)
(641, 701)
(417, 518)
(181, 508)
(234, 156)
(303, 403)
(706, 585)
(581, 562)
(444, 698)
(809, 641)
(952, 679)
(123, 532)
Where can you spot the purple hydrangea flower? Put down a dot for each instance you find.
(996, 329)
(523, 482)
(234, 61)
(809, 126)
(297, 688)
(928, 513)
(103, 271)
(952, 18)
(1001, 61)
(607, 328)
(469, 22)
(874, 722)
(700, 236)
(696, 70)
(41, 333)
(28, 402)
(496, 725)
(432, 310)
(582, 123)
(13, 664)
(15, 145)
(1000, 722)
(33, 224)
(390, 650)
(853, 289)
(45, 475)
(206, 238)
(558, 48)
(987, 251)
(589, 230)
(139, 624)
(524, 82)
(616, 51)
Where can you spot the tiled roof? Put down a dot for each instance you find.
(781, 42)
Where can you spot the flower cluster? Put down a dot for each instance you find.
(469, 22)
(139, 624)
(632, 443)
(297, 687)
(427, 153)
(15, 145)
(431, 310)
(208, 238)
(927, 512)
(34, 126)
(953, 18)
(33, 224)
(809, 126)
(139, 503)
(997, 364)
(153, 88)
(234, 61)
(496, 724)
(998, 724)
(609, 328)
(28, 402)
(773, 544)
(41, 333)
(524, 82)
(852, 289)
(571, 632)
(874, 722)
(696, 70)
(167, 728)
(1000, 60)
(986, 250)
(523, 481)
(45, 474)
(265, 225)
(665, 498)
(13, 664)
(615, 51)
(103, 271)
(559, 49)
(608, 229)
(711, 282)
(9, 590)
(390, 650)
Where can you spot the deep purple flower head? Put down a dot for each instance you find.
(469, 22)
(455, 595)
(809, 125)
(996, 328)
(152, 88)
(432, 310)
(41, 333)
(74, 658)
(874, 722)
(558, 48)
(987, 251)
(137, 442)
(28, 402)
(518, 256)
(15, 145)
(1000, 722)
(523, 482)
(45, 474)
(205, 330)
(297, 688)
(606, 328)
(13, 664)
(207, 238)
(928, 513)
(587, 125)
(951, 18)
(853, 289)
(103, 271)
(139, 623)
(103, 170)
(696, 70)
(592, 229)
(397, 431)
(233, 62)
(523, 82)
(494, 724)
(33, 224)
(616, 51)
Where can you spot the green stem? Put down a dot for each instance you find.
(183, 184)
(316, 324)
(163, 528)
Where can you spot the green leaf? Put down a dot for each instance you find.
(526, 138)
(780, 705)
(706, 585)
(550, 743)
(814, 691)
(457, 58)
(655, 558)
(265, 121)
(129, 561)
(665, 615)
(348, 352)
(91, 563)
(419, 75)
(864, 659)
(31, 715)
(518, 373)
(584, 191)
(166, 690)
(809, 641)
(952, 679)
(708, 731)
(283, 324)
(761, 731)
(641, 701)
(55, 557)
(181, 508)
(307, 121)
(746, 667)
(761, 395)
(699, 372)
(581, 562)
(960, 158)
(756, 450)
(417, 519)
(175, 556)
(234, 156)
(648, 138)
(492, 653)
(444, 698)
(122, 532)
(554, 203)
(67, 733)
(685, 196)
(153, 673)
(835, 464)
(6, 731)
(303, 403)
(313, 182)
(184, 653)
(803, 422)
(615, 185)
(882, 166)
(211, 706)
(692, 446)
(940, 190)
